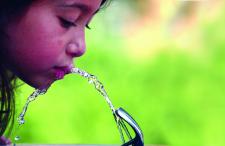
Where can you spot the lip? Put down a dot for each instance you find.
(61, 71)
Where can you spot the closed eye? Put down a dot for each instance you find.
(66, 24)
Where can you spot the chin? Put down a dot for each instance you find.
(39, 83)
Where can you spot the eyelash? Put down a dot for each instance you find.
(67, 24)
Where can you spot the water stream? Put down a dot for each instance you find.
(91, 79)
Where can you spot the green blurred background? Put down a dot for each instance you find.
(162, 61)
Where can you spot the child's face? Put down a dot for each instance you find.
(46, 39)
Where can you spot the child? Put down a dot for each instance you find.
(38, 41)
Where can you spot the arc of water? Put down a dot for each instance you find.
(91, 79)
(31, 98)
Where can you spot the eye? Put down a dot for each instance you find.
(66, 24)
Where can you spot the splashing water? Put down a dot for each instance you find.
(31, 98)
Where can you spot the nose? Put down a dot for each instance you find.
(76, 49)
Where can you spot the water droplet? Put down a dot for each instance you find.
(17, 138)
(21, 121)
(90, 81)
(86, 75)
(74, 70)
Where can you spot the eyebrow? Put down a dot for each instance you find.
(80, 6)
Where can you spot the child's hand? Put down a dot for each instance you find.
(4, 141)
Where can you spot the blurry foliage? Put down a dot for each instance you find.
(176, 93)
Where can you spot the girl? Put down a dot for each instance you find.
(38, 41)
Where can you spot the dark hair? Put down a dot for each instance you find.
(11, 9)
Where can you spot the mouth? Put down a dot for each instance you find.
(61, 71)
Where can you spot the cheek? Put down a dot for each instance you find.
(36, 49)
(36, 41)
